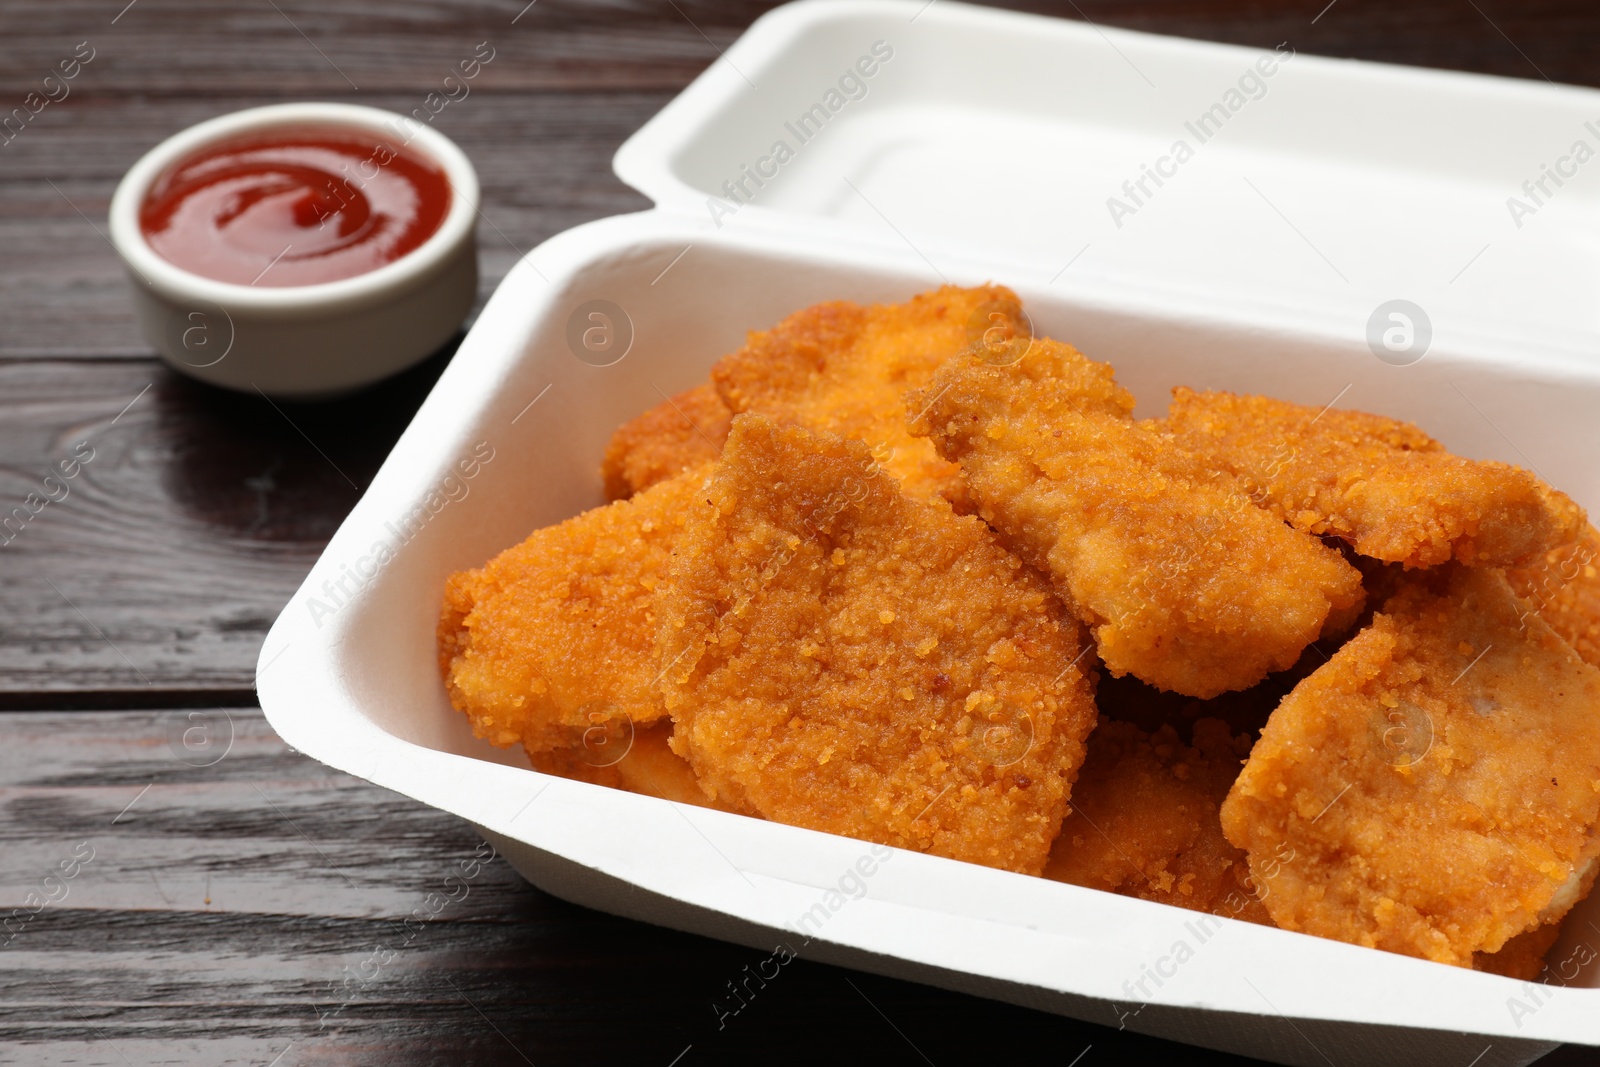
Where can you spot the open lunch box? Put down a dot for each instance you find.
(929, 142)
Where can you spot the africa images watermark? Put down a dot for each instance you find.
(851, 86)
(1251, 86)
(405, 130)
(452, 489)
(55, 89)
(53, 889)
(850, 885)
(1203, 928)
(1205, 925)
(1538, 189)
(354, 981)
(1574, 560)
(1530, 998)
(53, 489)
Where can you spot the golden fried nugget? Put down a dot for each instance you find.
(1185, 584)
(622, 756)
(1434, 789)
(843, 657)
(556, 636)
(843, 368)
(1564, 588)
(676, 435)
(1385, 487)
(1144, 820)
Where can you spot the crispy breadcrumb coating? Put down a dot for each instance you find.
(1185, 584)
(556, 636)
(843, 657)
(805, 629)
(678, 434)
(1384, 486)
(1434, 789)
(1144, 820)
(1564, 588)
(622, 756)
(842, 368)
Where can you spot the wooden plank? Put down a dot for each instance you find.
(240, 899)
(544, 161)
(191, 523)
(206, 810)
(302, 49)
(295, 48)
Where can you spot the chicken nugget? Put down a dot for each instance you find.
(678, 434)
(1563, 586)
(843, 368)
(1434, 789)
(1185, 583)
(844, 657)
(639, 759)
(556, 636)
(1383, 486)
(1144, 822)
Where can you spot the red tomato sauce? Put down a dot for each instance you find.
(294, 207)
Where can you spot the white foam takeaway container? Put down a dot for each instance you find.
(991, 146)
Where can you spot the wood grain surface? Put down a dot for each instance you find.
(244, 904)
(238, 900)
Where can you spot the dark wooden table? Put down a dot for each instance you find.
(232, 901)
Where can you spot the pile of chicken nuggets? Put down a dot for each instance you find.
(909, 574)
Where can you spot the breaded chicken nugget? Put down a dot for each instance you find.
(1564, 588)
(1383, 486)
(1434, 789)
(556, 636)
(843, 368)
(1185, 584)
(1144, 820)
(843, 657)
(622, 756)
(676, 435)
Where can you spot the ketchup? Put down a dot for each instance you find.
(294, 207)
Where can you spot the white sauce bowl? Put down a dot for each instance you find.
(304, 341)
